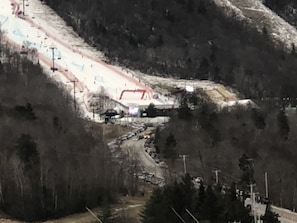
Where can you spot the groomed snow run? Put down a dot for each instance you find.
(78, 65)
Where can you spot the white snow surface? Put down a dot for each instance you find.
(42, 29)
(55, 42)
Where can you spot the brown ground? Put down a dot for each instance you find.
(109, 131)
(127, 207)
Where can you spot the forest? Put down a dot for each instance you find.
(193, 39)
(190, 39)
(186, 202)
(242, 143)
(52, 163)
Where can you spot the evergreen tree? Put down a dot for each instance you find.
(155, 209)
(269, 216)
(234, 210)
(184, 112)
(201, 196)
(169, 150)
(208, 206)
(157, 138)
(283, 124)
(25, 112)
(259, 119)
(27, 148)
(246, 166)
(151, 110)
(210, 209)
(201, 8)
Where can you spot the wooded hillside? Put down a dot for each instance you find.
(193, 39)
(50, 165)
(183, 38)
(242, 144)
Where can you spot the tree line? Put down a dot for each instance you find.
(243, 143)
(185, 201)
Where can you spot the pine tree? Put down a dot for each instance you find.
(210, 209)
(269, 216)
(184, 112)
(246, 166)
(259, 119)
(169, 151)
(283, 124)
(151, 110)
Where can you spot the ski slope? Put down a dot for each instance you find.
(78, 65)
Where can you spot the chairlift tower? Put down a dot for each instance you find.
(23, 7)
(53, 48)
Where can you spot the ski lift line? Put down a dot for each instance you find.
(131, 79)
(149, 90)
(67, 74)
(118, 72)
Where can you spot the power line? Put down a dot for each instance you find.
(195, 219)
(175, 212)
(92, 213)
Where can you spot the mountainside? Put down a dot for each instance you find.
(197, 40)
(286, 9)
(51, 164)
(217, 140)
(186, 39)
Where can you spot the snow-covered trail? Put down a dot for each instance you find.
(257, 14)
(57, 45)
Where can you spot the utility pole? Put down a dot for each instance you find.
(184, 160)
(252, 197)
(217, 176)
(53, 57)
(281, 193)
(178, 215)
(294, 194)
(266, 185)
(74, 100)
